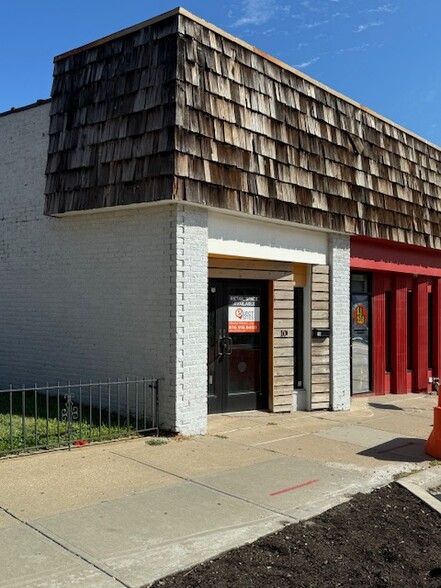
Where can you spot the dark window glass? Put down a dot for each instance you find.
(298, 337)
(359, 283)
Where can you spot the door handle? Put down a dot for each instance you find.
(228, 346)
(224, 345)
(220, 343)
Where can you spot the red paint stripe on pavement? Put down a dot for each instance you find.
(294, 487)
(396, 447)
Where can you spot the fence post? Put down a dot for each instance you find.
(23, 415)
(69, 414)
(11, 437)
(157, 407)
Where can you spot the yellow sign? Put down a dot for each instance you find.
(360, 315)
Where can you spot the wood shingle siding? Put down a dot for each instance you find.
(275, 136)
(113, 122)
(179, 110)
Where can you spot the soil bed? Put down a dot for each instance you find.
(386, 538)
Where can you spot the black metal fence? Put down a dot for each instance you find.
(75, 414)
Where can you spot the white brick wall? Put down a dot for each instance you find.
(339, 261)
(191, 319)
(97, 295)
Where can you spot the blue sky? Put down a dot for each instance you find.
(384, 54)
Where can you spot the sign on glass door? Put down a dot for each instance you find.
(243, 314)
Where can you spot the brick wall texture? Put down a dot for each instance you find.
(339, 260)
(103, 295)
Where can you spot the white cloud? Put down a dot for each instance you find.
(389, 8)
(257, 12)
(306, 64)
(285, 9)
(368, 25)
(356, 48)
(313, 25)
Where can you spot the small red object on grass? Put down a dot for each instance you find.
(80, 443)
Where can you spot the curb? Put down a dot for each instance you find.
(421, 483)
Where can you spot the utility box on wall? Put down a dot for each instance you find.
(321, 333)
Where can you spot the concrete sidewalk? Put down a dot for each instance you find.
(127, 513)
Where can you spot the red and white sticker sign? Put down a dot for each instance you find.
(244, 314)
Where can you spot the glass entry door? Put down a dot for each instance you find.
(360, 333)
(237, 345)
(360, 344)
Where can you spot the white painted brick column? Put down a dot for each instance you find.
(190, 346)
(339, 261)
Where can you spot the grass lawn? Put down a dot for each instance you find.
(31, 421)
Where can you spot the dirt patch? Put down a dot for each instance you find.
(386, 538)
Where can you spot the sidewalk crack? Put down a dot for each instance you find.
(71, 550)
(213, 488)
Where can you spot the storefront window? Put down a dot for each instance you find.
(359, 283)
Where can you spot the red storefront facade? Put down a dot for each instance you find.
(403, 297)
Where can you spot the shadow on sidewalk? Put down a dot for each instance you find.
(385, 406)
(399, 449)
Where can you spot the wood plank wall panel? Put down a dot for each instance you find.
(257, 138)
(283, 344)
(283, 336)
(320, 362)
(111, 136)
